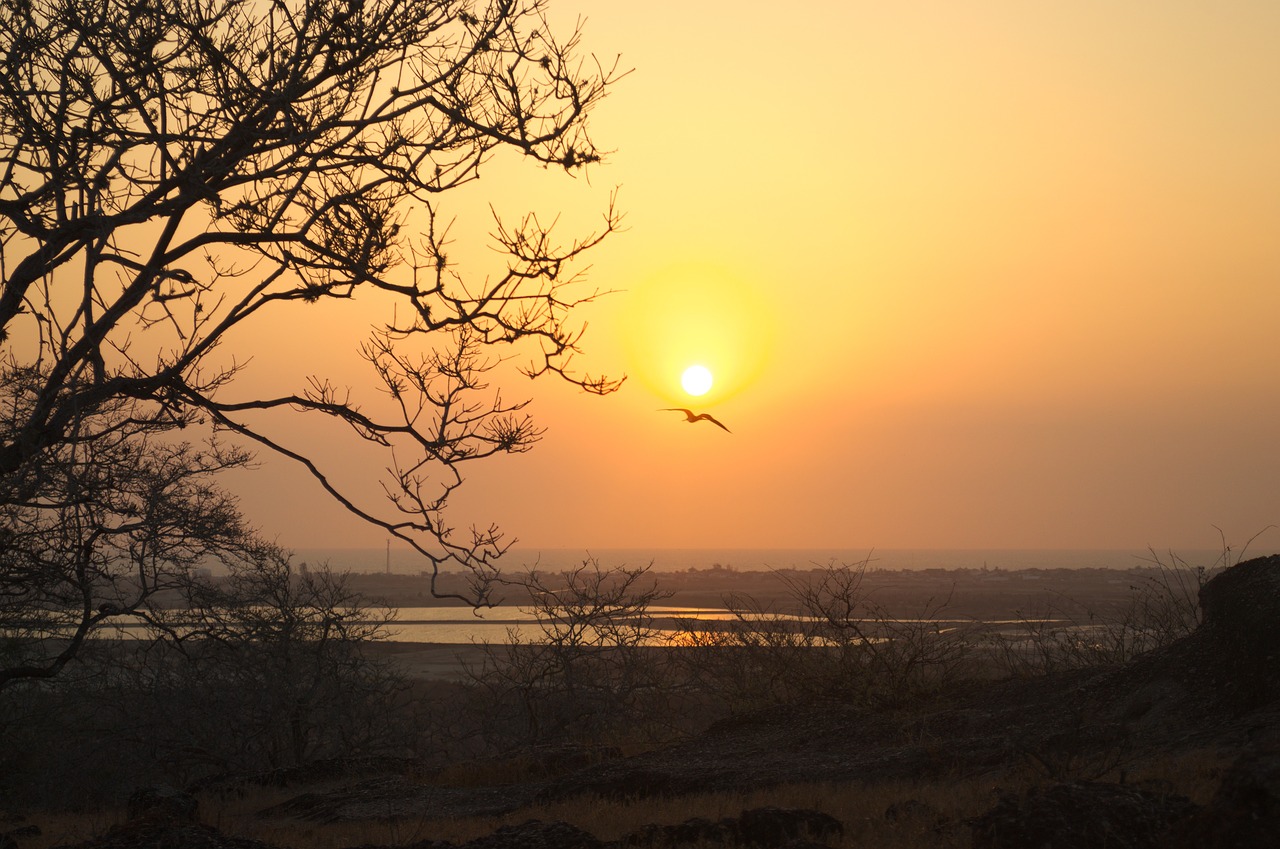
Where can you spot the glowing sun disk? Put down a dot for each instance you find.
(696, 380)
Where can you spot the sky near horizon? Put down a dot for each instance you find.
(981, 275)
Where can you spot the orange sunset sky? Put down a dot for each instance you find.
(992, 274)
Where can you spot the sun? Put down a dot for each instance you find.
(695, 313)
(696, 380)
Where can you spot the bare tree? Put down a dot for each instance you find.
(268, 667)
(832, 640)
(106, 526)
(175, 173)
(581, 670)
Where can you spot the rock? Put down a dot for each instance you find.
(533, 834)
(10, 839)
(421, 844)
(1240, 607)
(536, 834)
(772, 827)
(694, 831)
(320, 770)
(701, 830)
(151, 834)
(400, 798)
(913, 810)
(1244, 813)
(162, 803)
(767, 828)
(1082, 815)
(1245, 600)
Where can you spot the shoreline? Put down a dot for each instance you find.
(968, 593)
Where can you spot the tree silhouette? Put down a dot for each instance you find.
(107, 524)
(173, 172)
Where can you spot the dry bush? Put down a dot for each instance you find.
(833, 641)
(267, 669)
(272, 672)
(1162, 606)
(587, 673)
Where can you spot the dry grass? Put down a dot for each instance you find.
(936, 823)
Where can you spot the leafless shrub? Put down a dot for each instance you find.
(109, 527)
(272, 664)
(1162, 606)
(752, 660)
(262, 669)
(585, 669)
(834, 642)
(1085, 747)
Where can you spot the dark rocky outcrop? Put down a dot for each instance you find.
(693, 831)
(150, 834)
(913, 810)
(764, 828)
(768, 827)
(1241, 609)
(163, 804)
(1215, 689)
(536, 834)
(323, 769)
(13, 838)
(1244, 813)
(1205, 691)
(1081, 816)
(1244, 601)
(397, 798)
(162, 817)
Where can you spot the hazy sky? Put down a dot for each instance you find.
(982, 274)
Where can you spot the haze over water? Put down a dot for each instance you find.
(405, 562)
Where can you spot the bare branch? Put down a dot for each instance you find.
(171, 173)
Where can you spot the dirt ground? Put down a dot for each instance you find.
(431, 661)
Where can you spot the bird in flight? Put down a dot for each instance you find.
(691, 418)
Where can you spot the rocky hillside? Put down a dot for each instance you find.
(1218, 688)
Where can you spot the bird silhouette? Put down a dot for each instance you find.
(691, 417)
